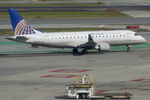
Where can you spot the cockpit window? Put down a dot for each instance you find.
(137, 34)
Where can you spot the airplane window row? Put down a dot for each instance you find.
(86, 36)
(108, 35)
(97, 34)
(68, 37)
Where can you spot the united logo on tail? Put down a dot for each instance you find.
(20, 27)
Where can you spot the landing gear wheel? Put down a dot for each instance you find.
(84, 51)
(99, 49)
(75, 50)
(128, 48)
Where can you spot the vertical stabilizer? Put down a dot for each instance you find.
(20, 27)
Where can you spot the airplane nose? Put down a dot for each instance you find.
(143, 39)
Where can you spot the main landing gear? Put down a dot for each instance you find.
(128, 48)
(84, 51)
(75, 51)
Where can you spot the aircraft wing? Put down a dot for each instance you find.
(90, 44)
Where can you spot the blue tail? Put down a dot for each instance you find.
(20, 27)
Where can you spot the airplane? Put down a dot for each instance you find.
(86, 40)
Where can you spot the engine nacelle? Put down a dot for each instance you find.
(102, 46)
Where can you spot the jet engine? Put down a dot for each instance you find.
(102, 47)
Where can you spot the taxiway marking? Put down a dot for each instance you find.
(71, 70)
(58, 76)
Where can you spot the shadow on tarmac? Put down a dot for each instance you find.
(59, 54)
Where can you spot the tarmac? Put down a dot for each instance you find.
(107, 2)
(76, 8)
(43, 76)
(81, 22)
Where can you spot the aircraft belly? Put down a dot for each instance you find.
(123, 42)
(57, 45)
(68, 44)
(65, 44)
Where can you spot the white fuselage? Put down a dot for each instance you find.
(99, 40)
(74, 39)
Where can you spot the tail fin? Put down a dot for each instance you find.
(20, 27)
